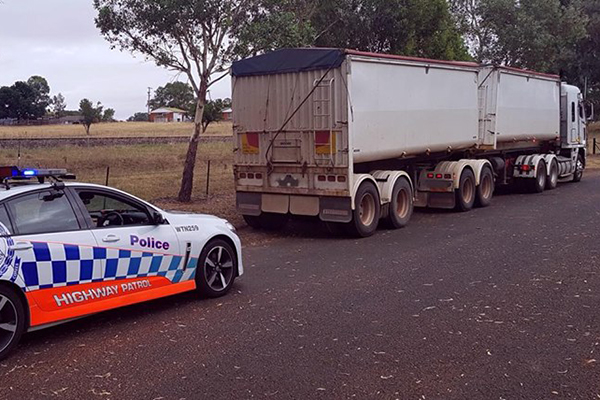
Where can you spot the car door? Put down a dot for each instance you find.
(133, 245)
(51, 251)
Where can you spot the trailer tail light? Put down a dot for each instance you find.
(321, 178)
(331, 178)
(429, 176)
(250, 143)
(527, 168)
(324, 142)
(439, 176)
(250, 176)
(447, 176)
(341, 179)
(243, 175)
(258, 176)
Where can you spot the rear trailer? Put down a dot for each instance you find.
(352, 137)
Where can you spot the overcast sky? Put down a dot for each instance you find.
(58, 40)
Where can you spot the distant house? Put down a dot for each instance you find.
(168, 114)
(227, 114)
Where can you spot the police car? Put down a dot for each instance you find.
(72, 249)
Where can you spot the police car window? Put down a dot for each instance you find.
(109, 211)
(42, 212)
(6, 227)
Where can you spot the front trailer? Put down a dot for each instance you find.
(354, 138)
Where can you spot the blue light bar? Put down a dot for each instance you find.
(29, 172)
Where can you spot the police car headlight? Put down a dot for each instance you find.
(230, 226)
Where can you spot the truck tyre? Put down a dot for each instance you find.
(217, 269)
(12, 320)
(538, 184)
(552, 179)
(367, 211)
(401, 205)
(579, 167)
(267, 221)
(485, 190)
(253, 221)
(466, 192)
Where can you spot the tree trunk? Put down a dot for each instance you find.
(187, 179)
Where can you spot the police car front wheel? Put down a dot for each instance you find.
(12, 320)
(217, 269)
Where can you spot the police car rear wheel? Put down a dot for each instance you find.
(218, 269)
(12, 320)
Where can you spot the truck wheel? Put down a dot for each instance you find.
(217, 269)
(579, 167)
(552, 179)
(485, 190)
(12, 320)
(401, 206)
(253, 221)
(465, 194)
(538, 184)
(365, 216)
(267, 221)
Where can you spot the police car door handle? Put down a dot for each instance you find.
(21, 246)
(110, 238)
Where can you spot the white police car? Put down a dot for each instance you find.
(72, 249)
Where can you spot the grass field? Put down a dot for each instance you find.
(124, 129)
(152, 172)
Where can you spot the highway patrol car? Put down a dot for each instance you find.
(72, 249)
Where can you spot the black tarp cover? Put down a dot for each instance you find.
(288, 61)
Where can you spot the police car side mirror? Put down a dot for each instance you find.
(157, 218)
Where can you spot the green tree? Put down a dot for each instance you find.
(138, 117)
(59, 105)
(91, 113)
(423, 28)
(214, 111)
(176, 94)
(41, 89)
(536, 34)
(198, 38)
(108, 115)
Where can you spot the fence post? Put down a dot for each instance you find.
(207, 177)
(595, 146)
(107, 175)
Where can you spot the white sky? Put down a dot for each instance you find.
(58, 40)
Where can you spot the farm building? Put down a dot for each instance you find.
(168, 114)
(227, 114)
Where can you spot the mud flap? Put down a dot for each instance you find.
(335, 209)
(248, 203)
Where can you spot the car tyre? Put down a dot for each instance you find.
(217, 268)
(12, 320)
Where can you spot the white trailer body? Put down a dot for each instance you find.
(314, 127)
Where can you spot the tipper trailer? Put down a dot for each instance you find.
(354, 138)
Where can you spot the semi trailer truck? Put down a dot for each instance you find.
(356, 138)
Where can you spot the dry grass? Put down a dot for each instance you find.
(152, 172)
(114, 129)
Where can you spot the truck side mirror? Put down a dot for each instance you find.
(589, 110)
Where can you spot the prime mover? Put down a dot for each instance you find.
(356, 138)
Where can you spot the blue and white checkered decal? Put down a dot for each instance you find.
(52, 265)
